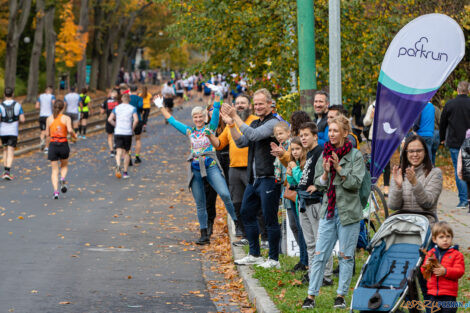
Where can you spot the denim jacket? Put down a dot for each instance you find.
(348, 202)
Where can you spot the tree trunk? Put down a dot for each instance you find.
(97, 44)
(50, 46)
(83, 23)
(33, 76)
(16, 24)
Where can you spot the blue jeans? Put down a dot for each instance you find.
(435, 146)
(264, 193)
(216, 180)
(299, 237)
(461, 185)
(429, 141)
(328, 232)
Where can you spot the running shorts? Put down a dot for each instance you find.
(58, 151)
(123, 141)
(168, 103)
(73, 116)
(42, 122)
(9, 141)
(109, 128)
(138, 128)
(85, 115)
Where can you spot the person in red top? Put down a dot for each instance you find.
(58, 126)
(443, 285)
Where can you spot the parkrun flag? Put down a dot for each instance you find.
(417, 62)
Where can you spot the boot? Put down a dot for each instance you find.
(238, 229)
(204, 240)
(210, 228)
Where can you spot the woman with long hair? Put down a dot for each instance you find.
(339, 173)
(58, 126)
(147, 98)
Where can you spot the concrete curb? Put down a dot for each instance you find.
(256, 293)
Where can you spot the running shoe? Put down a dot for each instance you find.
(112, 154)
(83, 137)
(125, 176)
(270, 263)
(137, 160)
(46, 150)
(117, 172)
(308, 303)
(339, 303)
(241, 243)
(6, 175)
(63, 186)
(462, 205)
(249, 260)
(42, 145)
(56, 195)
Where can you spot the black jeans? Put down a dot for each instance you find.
(447, 304)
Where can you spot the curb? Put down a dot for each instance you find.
(256, 293)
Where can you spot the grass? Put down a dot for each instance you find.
(288, 294)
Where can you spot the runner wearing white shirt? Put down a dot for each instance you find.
(124, 119)
(11, 114)
(44, 104)
(72, 102)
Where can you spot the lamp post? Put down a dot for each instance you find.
(335, 52)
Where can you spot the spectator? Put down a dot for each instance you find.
(262, 188)
(455, 120)
(436, 139)
(340, 172)
(463, 164)
(320, 106)
(424, 126)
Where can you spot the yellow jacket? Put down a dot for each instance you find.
(238, 156)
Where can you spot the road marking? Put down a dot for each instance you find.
(110, 249)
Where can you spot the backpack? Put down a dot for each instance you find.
(10, 116)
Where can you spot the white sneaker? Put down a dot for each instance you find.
(270, 264)
(249, 260)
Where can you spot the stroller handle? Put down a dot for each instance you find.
(434, 215)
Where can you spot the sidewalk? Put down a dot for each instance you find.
(458, 218)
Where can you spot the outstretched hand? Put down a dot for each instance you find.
(227, 119)
(158, 101)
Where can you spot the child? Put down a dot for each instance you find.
(443, 285)
(282, 133)
(463, 164)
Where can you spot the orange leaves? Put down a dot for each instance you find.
(71, 44)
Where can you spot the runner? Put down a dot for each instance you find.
(58, 126)
(72, 101)
(138, 103)
(84, 112)
(44, 104)
(124, 119)
(107, 107)
(147, 98)
(11, 113)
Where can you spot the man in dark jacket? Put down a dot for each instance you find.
(320, 105)
(262, 187)
(455, 120)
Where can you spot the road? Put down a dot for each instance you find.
(107, 245)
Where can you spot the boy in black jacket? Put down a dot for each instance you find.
(309, 198)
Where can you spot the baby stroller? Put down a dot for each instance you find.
(390, 273)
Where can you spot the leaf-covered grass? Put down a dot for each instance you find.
(287, 292)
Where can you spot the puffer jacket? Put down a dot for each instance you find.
(422, 197)
(463, 161)
(453, 261)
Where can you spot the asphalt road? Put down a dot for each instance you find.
(107, 245)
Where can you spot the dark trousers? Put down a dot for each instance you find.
(446, 303)
(145, 116)
(263, 194)
(294, 224)
(211, 198)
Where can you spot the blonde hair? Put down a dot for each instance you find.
(282, 125)
(442, 228)
(198, 110)
(343, 123)
(264, 92)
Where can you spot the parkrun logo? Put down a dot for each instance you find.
(419, 52)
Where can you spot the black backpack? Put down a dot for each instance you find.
(10, 116)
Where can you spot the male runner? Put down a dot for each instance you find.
(138, 103)
(72, 101)
(44, 104)
(11, 114)
(107, 107)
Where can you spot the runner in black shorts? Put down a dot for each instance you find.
(57, 128)
(107, 107)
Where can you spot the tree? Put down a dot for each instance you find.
(33, 75)
(19, 13)
(50, 45)
(83, 24)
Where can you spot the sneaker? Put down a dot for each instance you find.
(264, 244)
(249, 260)
(299, 267)
(308, 303)
(269, 263)
(340, 303)
(56, 195)
(125, 175)
(7, 176)
(83, 137)
(46, 150)
(112, 154)
(327, 282)
(241, 243)
(63, 186)
(137, 160)
(462, 205)
(117, 172)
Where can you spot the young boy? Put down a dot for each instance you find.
(310, 199)
(443, 285)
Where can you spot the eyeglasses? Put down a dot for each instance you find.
(418, 151)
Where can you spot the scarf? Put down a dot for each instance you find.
(327, 154)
